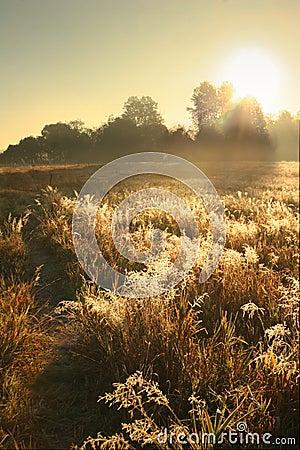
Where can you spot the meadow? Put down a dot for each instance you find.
(84, 368)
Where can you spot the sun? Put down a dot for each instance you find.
(254, 72)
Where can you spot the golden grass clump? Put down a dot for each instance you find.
(13, 252)
(129, 334)
(23, 354)
(148, 409)
(54, 213)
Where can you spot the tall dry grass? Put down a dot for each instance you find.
(199, 357)
(23, 339)
(231, 342)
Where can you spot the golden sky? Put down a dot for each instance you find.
(81, 59)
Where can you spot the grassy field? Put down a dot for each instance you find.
(197, 359)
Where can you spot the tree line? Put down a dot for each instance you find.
(221, 129)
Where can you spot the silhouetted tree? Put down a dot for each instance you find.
(204, 111)
(67, 142)
(245, 131)
(209, 103)
(29, 151)
(224, 97)
(284, 133)
(221, 130)
(178, 140)
(142, 111)
(117, 137)
(246, 121)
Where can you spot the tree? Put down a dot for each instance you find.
(142, 111)
(178, 139)
(204, 112)
(29, 150)
(224, 96)
(284, 133)
(116, 138)
(246, 121)
(67, 142)
(209, 103)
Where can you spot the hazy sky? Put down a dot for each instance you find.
(81, 59)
